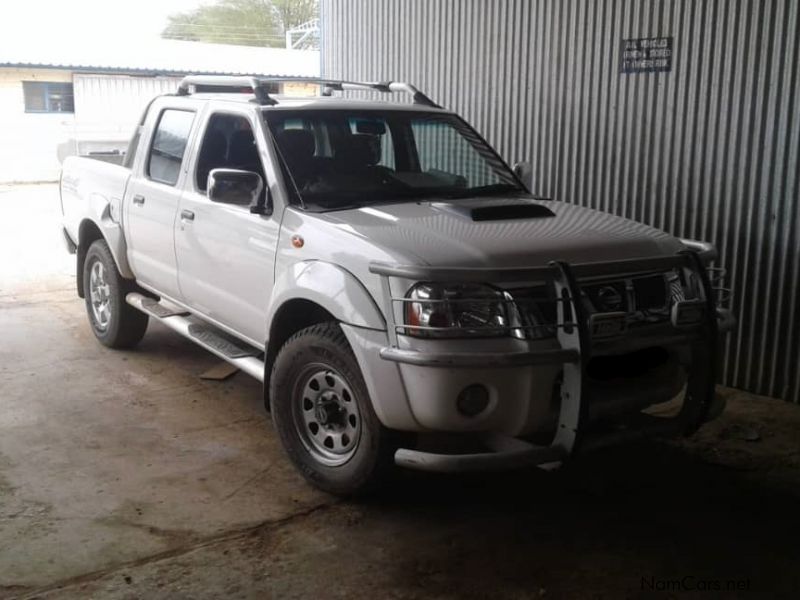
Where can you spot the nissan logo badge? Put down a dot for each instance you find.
(610, 298)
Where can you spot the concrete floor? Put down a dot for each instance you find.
(124, 475)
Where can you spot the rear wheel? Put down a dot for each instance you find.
(114, 322)
(323, 414)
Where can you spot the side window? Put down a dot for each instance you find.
(169, 146)
(228, 143)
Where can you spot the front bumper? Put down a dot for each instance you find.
(507, 452)
(576, 344)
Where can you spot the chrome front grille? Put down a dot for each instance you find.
(630, 295)
(645, 299)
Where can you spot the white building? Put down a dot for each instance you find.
(57, 100)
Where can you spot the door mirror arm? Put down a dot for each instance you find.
(263, 205)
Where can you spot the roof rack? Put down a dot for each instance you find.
(260, 87)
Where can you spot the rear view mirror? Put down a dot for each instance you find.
(370, 127)
(524, 171)
(232, 186)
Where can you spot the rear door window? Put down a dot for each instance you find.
(169, 146)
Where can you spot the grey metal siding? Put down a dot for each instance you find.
(708, 150)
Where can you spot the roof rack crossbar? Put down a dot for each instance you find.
(222, 82)
(374, 86)
(260, 88)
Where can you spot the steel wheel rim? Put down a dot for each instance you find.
(99, 296)
(326, 415)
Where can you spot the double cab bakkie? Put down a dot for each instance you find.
(399, 291)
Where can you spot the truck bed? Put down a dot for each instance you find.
(91, 187)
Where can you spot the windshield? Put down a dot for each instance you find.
(339, 159)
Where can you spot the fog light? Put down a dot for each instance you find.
(472, 400)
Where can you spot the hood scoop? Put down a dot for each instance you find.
(497, 211)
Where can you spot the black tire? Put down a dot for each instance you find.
(115, 323)
(324, 348)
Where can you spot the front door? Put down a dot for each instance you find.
(151, 204)
(225, 253)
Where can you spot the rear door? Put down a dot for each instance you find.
(226, 254)
(152, 200)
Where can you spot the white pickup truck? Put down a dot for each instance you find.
(394, 284)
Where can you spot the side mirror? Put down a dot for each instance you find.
(232, 186)
(524, 170)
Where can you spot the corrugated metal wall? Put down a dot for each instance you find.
(708, 150)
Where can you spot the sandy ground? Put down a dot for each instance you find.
(124, 475)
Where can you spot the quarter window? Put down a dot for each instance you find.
(48, 97)
(169, 146)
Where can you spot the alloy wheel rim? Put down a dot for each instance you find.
(326, 415)
(100, 296)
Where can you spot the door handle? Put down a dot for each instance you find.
(187, 215)
(138, 199)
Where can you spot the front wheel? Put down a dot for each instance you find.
(323, 414)
(114, 322)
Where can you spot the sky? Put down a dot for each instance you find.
(110, 21)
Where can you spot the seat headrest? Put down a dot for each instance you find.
(363, 149)
(242, 149)
(215, 146)
(296, 144)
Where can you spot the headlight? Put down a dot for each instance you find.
(457, 310)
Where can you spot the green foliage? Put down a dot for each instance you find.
(241, 22)
(291, 13)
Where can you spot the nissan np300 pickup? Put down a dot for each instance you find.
(391, 281)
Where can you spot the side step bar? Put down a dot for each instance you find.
(240, 355)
